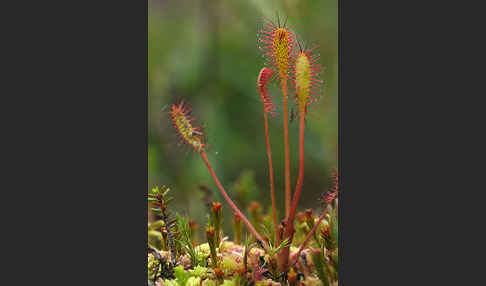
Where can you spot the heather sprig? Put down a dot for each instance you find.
(160, 199)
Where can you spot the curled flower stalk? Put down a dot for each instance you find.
(194, 137)
(278, 41)
(262, 84)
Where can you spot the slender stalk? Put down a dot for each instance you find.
(230, 202)
(309, 235)
(238, 228)
(210, 236)
(289, 227)
(286, 140)
(272, 186)
(300, 179)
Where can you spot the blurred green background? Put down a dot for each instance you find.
(206, 52)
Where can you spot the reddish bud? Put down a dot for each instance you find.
(193, 225)
(292, 276)
(255, 207)
(309, 214)
(219, 273)
(210, 232)
(216, 207)
(301, 217)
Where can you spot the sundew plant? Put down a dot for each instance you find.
(294, 248)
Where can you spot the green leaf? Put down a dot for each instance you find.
(166, 192)
(156, 225)
(156, 210)
(181, 275)
(284, 243)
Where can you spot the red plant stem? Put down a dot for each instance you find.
(286, 140)
(272, 187)
(289, 227)
(300, 179)
(230, 202)
(309, 235)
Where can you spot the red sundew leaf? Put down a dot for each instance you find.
(278, 43)
(183, 123)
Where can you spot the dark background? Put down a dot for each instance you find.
(206, 52)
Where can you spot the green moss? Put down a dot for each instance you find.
(312, 281)
(228, 283)
(204, 249)
(301, 231)
(228, 265)
(193, 281)
(155, 239)
(208, 282)
(237, 280)
(264, 283)
(225, 246)
(199, 271)
(152, 266)
(172, 282)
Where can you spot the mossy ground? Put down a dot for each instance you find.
(231, 263)
(315, 266)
